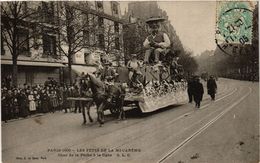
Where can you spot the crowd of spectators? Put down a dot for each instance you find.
(21, 102)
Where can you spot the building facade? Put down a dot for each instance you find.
(39, 41)
(102, 34)
(35, 37)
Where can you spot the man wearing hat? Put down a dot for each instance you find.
(212, 87)
(198, 91)
(157, 41)
(107, 74)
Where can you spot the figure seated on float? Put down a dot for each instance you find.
(156, 43)
(136, 82)
(133, 65)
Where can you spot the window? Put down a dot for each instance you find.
(86, 57)
(49, 46)
(2, 45)
(116, 27)
(100, 22)
(23, 41)
(92, 39)
(86, 37)
(101, 41)
(29, 76)
(48, 12)
(115, 8)
(117, 43)
(99, 5)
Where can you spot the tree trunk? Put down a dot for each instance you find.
(15, 71)
(69, 66)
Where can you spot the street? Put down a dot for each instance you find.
(223, 131)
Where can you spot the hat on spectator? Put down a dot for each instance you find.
(152, 20)
(134, 55)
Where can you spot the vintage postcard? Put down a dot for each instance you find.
(129, 81)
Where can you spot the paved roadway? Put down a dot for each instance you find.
(226, 130)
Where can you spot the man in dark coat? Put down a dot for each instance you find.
(212, 87)
(198, 92)
(76, 93)
(66, 104)
(190, 88)
(108, 72)
(23, 104)
(5, 105)
(9, 104)
(44, 98)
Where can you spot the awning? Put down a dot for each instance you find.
(86, 69)
(31, 63)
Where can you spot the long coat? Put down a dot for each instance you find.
(23, 104)
(45, 101)
(198, 91)
(190, 86)
(212, 86)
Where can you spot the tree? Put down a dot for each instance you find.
(112, 40)
(81, 29)
(14, 15)
(72, 32)
(189, 63)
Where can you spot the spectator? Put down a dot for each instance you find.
(53, 101)
(15, 104)
(60, 97)
(23, 104)
(47, 82)
(77, 102)
(32, 105)
(71, 94)
(44, 101)
(37, 99)
(65, 104)
(8, 81)
(9, 105)
(5, 105)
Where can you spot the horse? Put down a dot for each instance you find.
(105, 97)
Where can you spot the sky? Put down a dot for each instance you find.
(194, 22)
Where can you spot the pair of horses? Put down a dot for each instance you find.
(105, 97)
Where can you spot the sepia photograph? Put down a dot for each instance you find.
(130, 81)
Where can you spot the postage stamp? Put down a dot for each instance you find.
(233, 24)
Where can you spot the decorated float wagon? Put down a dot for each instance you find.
(158, 90)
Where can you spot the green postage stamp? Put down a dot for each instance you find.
(234, 22)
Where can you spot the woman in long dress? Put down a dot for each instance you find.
(54, 101)
(32, 105)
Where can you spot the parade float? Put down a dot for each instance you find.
(158, 91)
